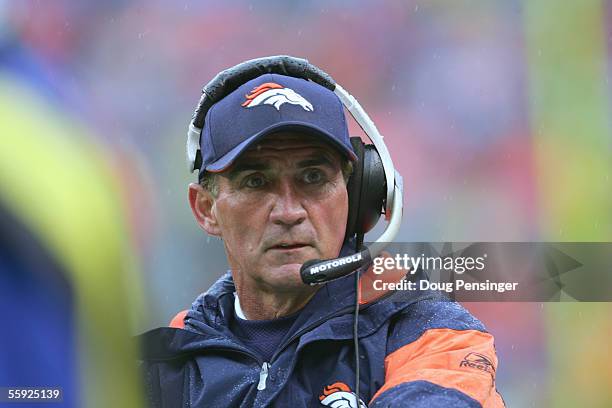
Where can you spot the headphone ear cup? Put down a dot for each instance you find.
(373, 190)
(366, 189)
(354, 188)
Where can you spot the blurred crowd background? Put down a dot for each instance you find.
(496, 113)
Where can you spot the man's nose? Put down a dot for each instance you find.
(288, 208)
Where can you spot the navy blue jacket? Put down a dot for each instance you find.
(423, 352)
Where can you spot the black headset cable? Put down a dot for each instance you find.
(356, 323)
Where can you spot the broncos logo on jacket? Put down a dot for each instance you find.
(339, 395)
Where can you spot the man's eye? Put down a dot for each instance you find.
(313, 176)
(255, 181)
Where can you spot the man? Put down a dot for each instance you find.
(276, 159)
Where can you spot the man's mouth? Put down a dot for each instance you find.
(288, 246)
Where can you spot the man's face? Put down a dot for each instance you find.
(283, 202)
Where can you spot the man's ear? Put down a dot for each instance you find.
(203, 207)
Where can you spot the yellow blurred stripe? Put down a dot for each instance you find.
(55, 181)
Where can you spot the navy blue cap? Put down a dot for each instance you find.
(265, 105)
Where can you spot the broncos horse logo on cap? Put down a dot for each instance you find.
(274, 94)
(339, 395)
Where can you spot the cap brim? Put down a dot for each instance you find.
(228, 159)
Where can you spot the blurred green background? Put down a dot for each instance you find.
(497, 114)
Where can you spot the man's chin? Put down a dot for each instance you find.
(285, 275)
(288, 269)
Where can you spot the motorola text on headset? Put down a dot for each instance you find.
(374, 188)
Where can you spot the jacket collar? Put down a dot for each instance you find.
(214, 308)
(329, 312)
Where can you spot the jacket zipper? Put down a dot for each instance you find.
(265, 366)
(263, 376)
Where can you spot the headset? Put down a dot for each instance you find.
(374, 188)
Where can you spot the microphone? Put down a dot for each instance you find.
(318, 271)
